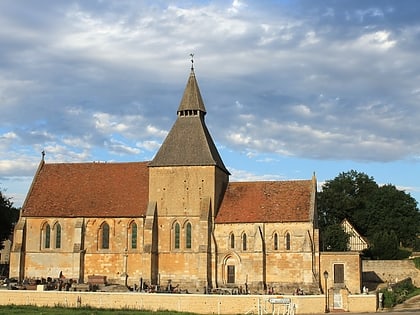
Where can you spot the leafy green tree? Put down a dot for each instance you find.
(390, 208)
(343, 197)
(8, 217)
(385, 245)
(372, 209)
(334, 238)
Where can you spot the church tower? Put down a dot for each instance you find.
(187, 181)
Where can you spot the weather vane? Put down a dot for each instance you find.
(192, 61)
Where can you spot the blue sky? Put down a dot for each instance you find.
(290, 87)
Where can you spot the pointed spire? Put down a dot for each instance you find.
(189, 142)
(192, 102)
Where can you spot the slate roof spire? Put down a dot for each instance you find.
(191, 102)
(189, 142)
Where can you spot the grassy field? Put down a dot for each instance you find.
(32, 310)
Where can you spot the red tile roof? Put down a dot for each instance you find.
(122, 189)
(89, 190)
(276, 201)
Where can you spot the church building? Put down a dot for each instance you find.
(176, 219)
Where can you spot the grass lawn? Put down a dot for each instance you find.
(32, 310)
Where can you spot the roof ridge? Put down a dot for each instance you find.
(271, 181)
(98, 162)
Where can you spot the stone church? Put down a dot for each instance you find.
(176, 219)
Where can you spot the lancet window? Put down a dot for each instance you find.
(188, 236)
(232, 240)
(133, 235)
(287, 241)
(46, 236)
(244, 242)
(104, 234)
(177, 235)
(57, 230)
(275, 241)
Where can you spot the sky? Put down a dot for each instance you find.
(291, 88)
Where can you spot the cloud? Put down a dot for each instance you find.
(151, 146)
(380, 40)
(17, 167)
(120, 148)
(301, 79)
(246, 176)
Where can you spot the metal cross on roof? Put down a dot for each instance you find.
(192, 61)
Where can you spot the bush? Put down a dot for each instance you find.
(389, 298)
(398, 293)
(404, 253)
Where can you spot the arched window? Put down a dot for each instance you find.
(232, 240)
(188, 235)
(57, 229)
(287, 241)
(105, 236)
(133, 229)
(276, 241)
(177, 232)
(47, 235)
(244, 240)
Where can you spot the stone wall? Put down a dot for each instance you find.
(282, 269)
(185, 197)
(389, 271)
(196, 303)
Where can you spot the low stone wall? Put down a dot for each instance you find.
(361, 303)
(196, 303)
(390, 271)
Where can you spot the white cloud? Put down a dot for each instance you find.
(310, 39)
(59, 153)
(246, 176)
(239, 139)
(8, 136)
(120, 148)
(377, 40)
(17, 167)
(154, 131)
(302, 110)
(149, 145)
(237, 5)
(105, 78)
(78, 142)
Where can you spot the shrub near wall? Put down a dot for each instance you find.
(398, 293)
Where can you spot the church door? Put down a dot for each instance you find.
(338, 275)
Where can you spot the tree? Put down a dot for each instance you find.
(390, 208)
(8, 217)
(385, 245)
(372, 209)
(334, 238)
(343, 197)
